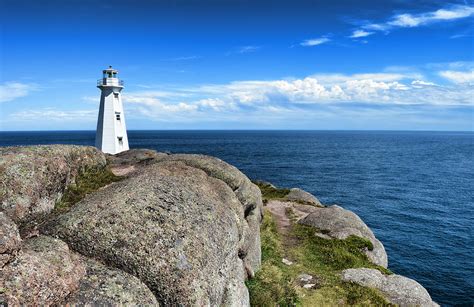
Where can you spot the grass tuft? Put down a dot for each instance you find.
(333, 254)
(87, 182)
(272, 284)
(271, 192)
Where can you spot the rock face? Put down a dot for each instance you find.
(34, 177)
(185, 225)
(177, 230)
(302, 196)
(44, 273)
(104, 286)
(340, 223)
(248, 195)
(398, 289)
(10, 240)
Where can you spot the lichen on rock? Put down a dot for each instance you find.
(44, 273)
(176, 227)
(34, 177)
(105, 286)
(10, 241)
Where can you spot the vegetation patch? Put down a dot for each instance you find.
(273, 283)
(277, 284)
(332, 255)
(269, 191)
(87, 182)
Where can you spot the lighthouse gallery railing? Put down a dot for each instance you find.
(109, 81)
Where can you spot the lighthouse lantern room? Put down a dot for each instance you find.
(111, 135)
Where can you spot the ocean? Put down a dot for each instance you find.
(413, 189)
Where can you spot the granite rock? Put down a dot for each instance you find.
(341, 223)
(44, 273)
(185, 227)
(35, 177)
(397, 289)
(105, 286)
(10, 240)
(302, 196)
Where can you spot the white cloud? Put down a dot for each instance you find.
(215, 104)
(327, 89)
(243, 49)
(52, 114)
(12, 90)
(248, 49)
(455, 13)
(360, 33)
(322, 93)
(406, 20)
(421, 83)
(315, 41)
(183, 58)
(458, 76)
(385, 77)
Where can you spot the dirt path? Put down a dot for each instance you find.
(285, 214)
(279, 210)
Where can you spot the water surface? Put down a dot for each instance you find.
(414, 189)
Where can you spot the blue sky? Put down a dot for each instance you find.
(233, 64)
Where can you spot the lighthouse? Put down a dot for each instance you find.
(111, 135)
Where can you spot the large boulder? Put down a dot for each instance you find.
(339, 223)
(34, 177)
(398, 289)
(182, 225)
(134, 161)
(302, 196)
(247, 193)
(10, 240)
(105, 286)
(44, 273)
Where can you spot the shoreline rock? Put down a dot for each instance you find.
(398, 289)
(178, 229)
(303, 197)
(340, 223)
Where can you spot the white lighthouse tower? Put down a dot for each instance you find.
(111, 135)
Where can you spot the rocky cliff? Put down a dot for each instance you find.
(141, 227)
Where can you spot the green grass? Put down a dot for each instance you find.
(86, 182)
(272, 284)
(275, 284)
(270, 192)
(333, 254)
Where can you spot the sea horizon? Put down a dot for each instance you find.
(250, 130)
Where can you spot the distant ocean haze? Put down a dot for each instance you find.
(414, 189)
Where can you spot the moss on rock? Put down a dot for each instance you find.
(88, 181)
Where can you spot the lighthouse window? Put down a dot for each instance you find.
(117, 116)
(120, 139)
(116, 95)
